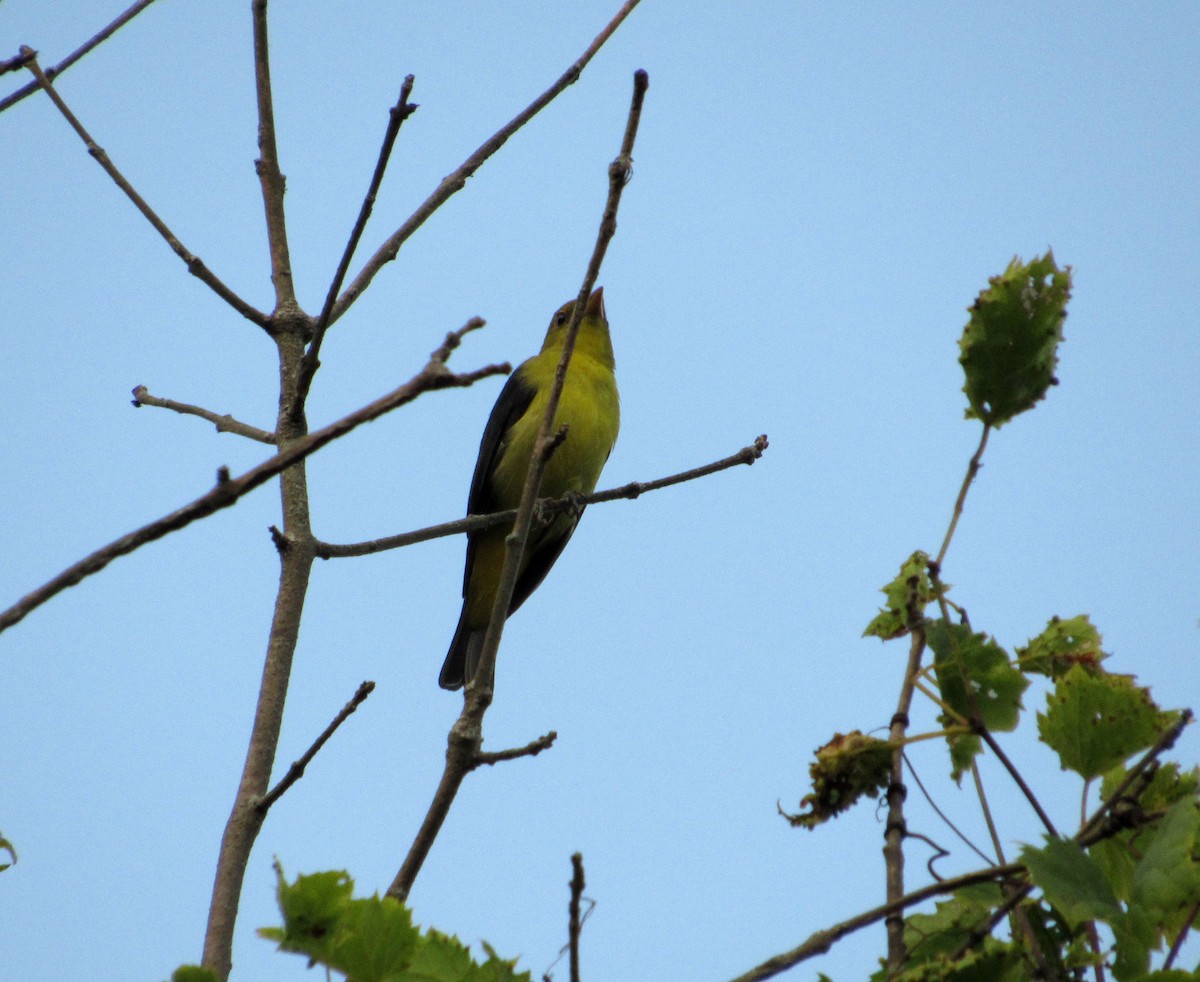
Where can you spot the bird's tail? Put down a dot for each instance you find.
(463, 657)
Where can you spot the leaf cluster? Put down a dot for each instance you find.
(372, 939)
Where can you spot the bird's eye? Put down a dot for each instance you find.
(561, 318)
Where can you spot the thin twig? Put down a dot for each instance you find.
(195, 264)
(574, 924)
(267, 166)
(478, 687)
(1093, 831)
(466, 735)
(821, 941)
(396, 116)
(547, 507)
(531, 749)
(296, 771)
(224, 424)
(1177, 944)
(972, 469)
(979, 729)
(456, 181)
(1161, 746)
(229, 489)
(54, 71)
(993, 834)
(19, 61)
(953, 828)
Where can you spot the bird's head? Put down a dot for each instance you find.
(593, 338)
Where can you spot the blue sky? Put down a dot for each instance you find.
(820, 190)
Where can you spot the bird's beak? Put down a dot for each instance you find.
(595, 304)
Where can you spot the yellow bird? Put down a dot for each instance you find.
(590, 408)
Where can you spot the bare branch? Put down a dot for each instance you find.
(821, 941)
(978, 727)
(296, 771)
(466, 735)
(972, 469)
(103, 35)
(456, 181)
(531, 749)
(574, 924)
(396, 116)
(267, 165)
(224, 424)
(547, 506)
(228, 490)
(942, 815)
(195, 264)
(19, 61)
(478, 688)
(893, 847)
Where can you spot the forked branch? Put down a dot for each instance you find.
(229, 489)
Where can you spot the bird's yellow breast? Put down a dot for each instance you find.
(589, 407)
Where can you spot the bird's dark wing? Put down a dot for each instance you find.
(514, 399)
(541, 558)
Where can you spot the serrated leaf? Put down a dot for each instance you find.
(375, 940)
(1167, 879)
(973, 674)
(1095, 721)
(1009, 348)
(312, 906)
(912, 590)
(440, 958)
(1064, 643)
(1072, 881)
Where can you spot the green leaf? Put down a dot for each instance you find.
(193, 973)
(1095, 721)
(951, 923)
(1168, 785)
(1118, 855)
(973, 673)
(910, 590)
(1072, 881)
(1116, 860)
(441, 958)
(374, 941)
(1064, 643)
(312, 908)
(1166, 881)
(1009, 348)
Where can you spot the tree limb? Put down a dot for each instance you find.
(195, 264)
(53, 72)
(466, 735)
(396, 116)
(224, 424)
(547, 506)
(228, 489)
